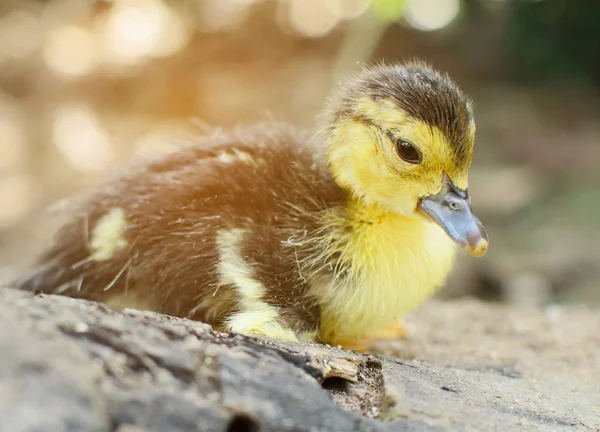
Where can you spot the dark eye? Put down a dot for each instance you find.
(408, 152)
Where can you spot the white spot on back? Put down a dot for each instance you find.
(108, 235)
(227, 158)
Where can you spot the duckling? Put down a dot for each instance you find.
(273, 231)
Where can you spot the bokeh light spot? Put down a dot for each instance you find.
(312, 18)
(428, 15)
(177, 34)
(70, 51)
(134, 28)
(82, 140)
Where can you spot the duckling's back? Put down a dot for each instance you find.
(207, 232)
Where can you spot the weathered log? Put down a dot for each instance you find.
(72, 365)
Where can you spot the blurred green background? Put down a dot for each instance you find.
(89, 86)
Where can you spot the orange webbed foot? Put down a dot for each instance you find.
(367, 342)
(358, 344)
(395, 331)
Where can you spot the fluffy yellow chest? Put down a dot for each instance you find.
(386, 267)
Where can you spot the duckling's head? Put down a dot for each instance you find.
(402, 138)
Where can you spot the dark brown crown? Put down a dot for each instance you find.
(424, 94)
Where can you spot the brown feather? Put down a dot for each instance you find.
(175, 206)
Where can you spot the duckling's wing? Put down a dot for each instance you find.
(158, 235)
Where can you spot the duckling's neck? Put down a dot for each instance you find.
(384, 266)
(360, 212)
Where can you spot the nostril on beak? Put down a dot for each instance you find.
(455, 205)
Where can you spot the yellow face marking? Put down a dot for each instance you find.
(363, 158)
(438, 156)
(108, 236)
(384, 113)
(256, 317)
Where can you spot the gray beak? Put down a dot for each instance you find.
(451, 210)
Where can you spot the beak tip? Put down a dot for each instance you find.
(479, 249)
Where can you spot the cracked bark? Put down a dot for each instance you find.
(71, 365)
